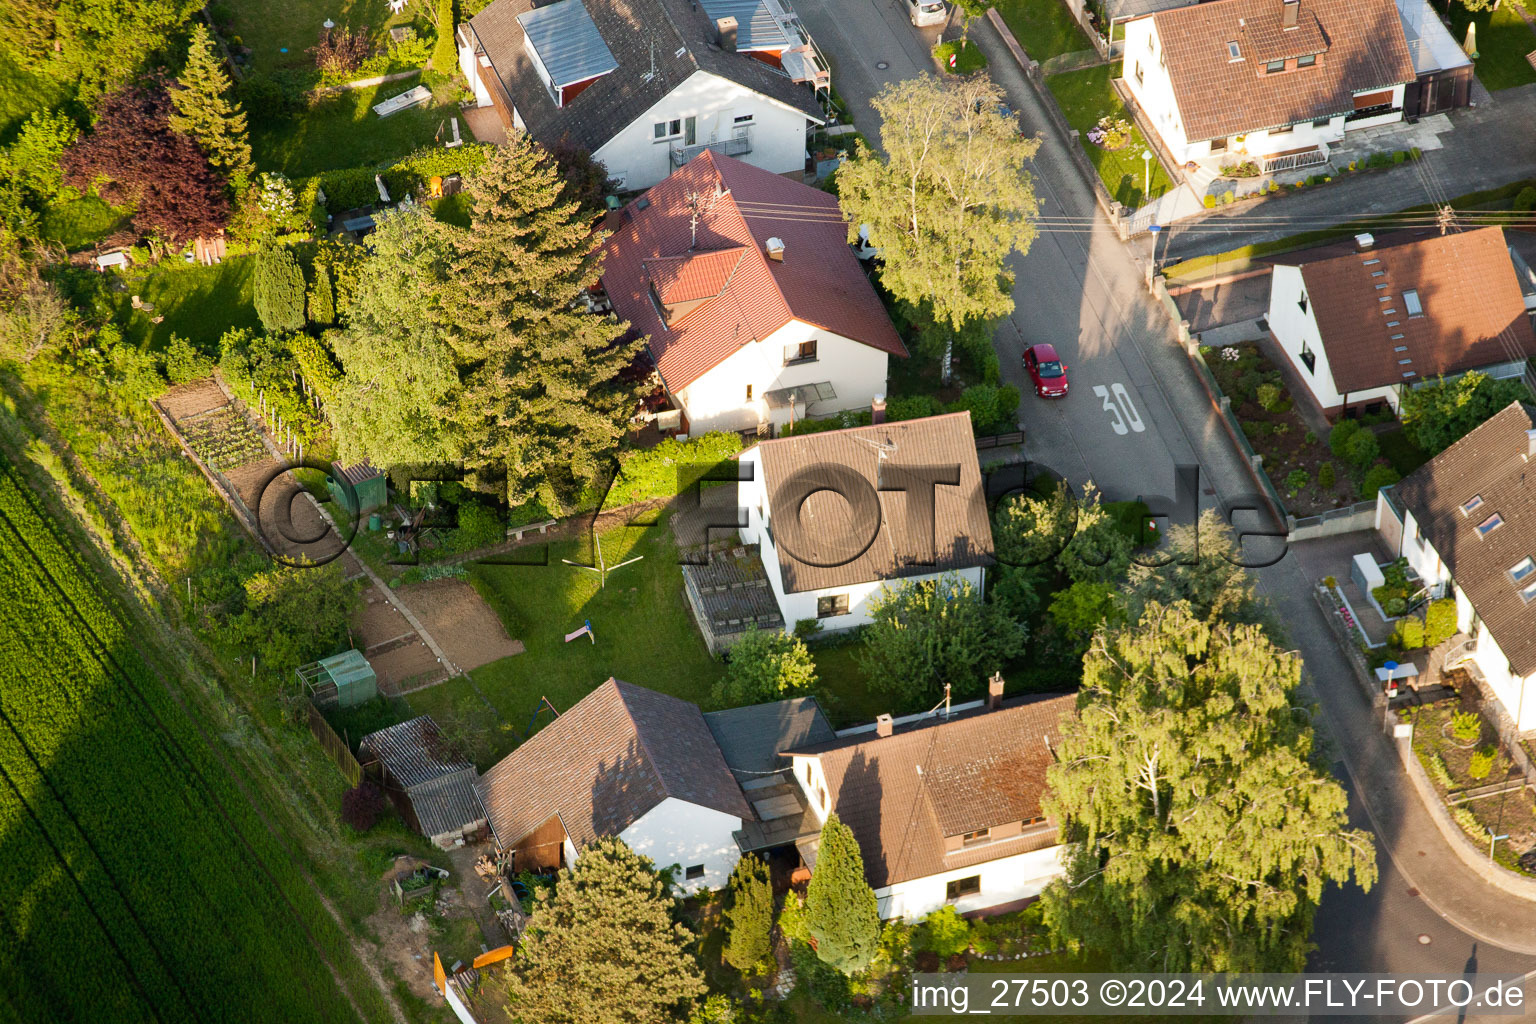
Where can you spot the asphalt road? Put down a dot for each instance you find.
(1135, 411)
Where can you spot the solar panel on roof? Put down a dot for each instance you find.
(567, 42)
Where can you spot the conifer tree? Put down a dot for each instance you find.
(206, 114)
(841, 912)
(444, 53)
(749, 919)
(605, 949)
(542, 399)
(1201, 825)
(322, 297)
(279, 290)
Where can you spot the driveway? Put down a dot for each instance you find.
(1489, 146)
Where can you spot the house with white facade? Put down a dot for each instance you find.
(628, 762)
(1466, 523)
(647, 85)
(1276, 82)
(839, 516)
(945, 806)
(755, 309)
(1361, 322)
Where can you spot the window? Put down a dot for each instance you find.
(659, 130)
(1309, 358)
(694, 871)
(981, 835)
(690, 130)
(1280, 131)
(1472, 504)
(1233, 52)
(805, 352)
(821, 795)
(1490, 524)
(1150, 44)
(835, 604)
(962, 887)
(749, 392)
(1218, 145)
(1411, 300)
(1322, 122)
(1274, 66)
(1139, 77)
(1303, 302)
(1528, 595)
(1372, 263)
(1522, 569)
(743, 119)
(1306, 62)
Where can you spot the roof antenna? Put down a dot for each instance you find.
(694, 201)
(651, 73)
(946, 700)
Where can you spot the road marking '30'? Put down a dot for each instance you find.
(1117, 402)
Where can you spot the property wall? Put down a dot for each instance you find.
(718, 400)
(1295, 330)
(1002, 881)
(678, 832)
(637, 157)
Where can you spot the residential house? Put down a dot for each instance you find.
(1274, 81)
(433, 789)
(756, 311)
(647, 85)
(946, 807)
(1361, 322)
(628, 762)
(1466, 523)
(842, 514)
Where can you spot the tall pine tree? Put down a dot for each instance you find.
(841, 912)
(205, 112)
(1201, 825)
(322, 297)
(749, 919)
(542, 399)
(279, 290)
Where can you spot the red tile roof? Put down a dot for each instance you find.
(1473, 314)
(819, 282)
(1359, 46)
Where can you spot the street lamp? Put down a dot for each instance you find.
(1491, 840)
(1146, 162)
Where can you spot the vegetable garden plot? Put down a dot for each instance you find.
(223, 438)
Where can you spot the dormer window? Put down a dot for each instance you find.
(1472, 504)
(565, 48)
(1274, 66)
(981, 835)
(1306, 61)
(1490, 524)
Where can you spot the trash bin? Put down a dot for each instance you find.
(373, 523)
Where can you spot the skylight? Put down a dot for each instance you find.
(1521, 569)
(1233, 51)
(1411, 300)
(1528, 594)
(1472, 504)
(1490, 524)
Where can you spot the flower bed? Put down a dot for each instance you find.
(1111, 133)
(1246, 169)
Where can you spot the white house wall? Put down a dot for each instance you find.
(1296, 330)
(678, 832)
(1002, 881)
(808, 774)
(778, 131)
(718, 400)
(469, 65)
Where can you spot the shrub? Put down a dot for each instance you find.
(912, 407)
(943, 932)
(1309, 437)
(1409, 634)
(1399, 156)
(1296, 480)
(1480, 763)
(1274, 186)
(1377, 478)
(1228, 196)
(184, 363)
(1414, 153)
(765, 665)
(341, 50)
(1210, 202)
(1339, 436)
(362, 806)
(479, 527)
(1325, 476)
(1466, 725)
(1525, 201)
(1362, 449)
(1269, 396)
(1439, 621)
(1353, 166)
(1439, 771)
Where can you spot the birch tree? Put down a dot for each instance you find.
(1201, 824)
(948, 202)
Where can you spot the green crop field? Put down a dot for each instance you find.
(137, 880)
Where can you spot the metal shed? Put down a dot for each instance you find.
(369, 487)
(343, 679)
(433, 791)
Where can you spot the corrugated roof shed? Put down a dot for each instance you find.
(567, 41)
(410, 752)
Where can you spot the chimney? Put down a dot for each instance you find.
(995, 691)
(774, 246)
(877, 409)
(1365, 241)
(1288, 12)
(883, 725)
(725, 33)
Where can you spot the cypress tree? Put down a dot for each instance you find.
(841, 912)
(444, 53)
(322, 297)
(206, 114)
(279, 290)
(749, 920)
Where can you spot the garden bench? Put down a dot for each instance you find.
(516, 532)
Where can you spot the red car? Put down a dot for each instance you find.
(1047, 371)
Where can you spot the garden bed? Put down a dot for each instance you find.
(1085, 97)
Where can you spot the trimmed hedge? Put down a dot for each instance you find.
(351, 187)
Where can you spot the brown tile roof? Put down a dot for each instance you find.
(698, 275)
(605, 763)
(902, 794)
(819, 281)
(1473, 313)
(961, 533)
(1487, 462)
(1359, 43)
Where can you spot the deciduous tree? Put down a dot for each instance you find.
(1201, 826)
(765, 665)
(206, 113)
(929, 633)
(606, 949)
(749, 918)
(950, 200)
(1199, 564)
(278, 289)
(1438, 415)
(841, 912)
(292, 616)
(1075, 536)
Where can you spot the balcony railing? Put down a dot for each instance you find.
(1376, 111)
(738, 145)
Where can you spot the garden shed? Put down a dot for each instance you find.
(433, 790)
(344, 679)
(368, 487)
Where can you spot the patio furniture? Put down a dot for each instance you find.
(396, 6)
(412, 98)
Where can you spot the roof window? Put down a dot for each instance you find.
(1400, 348)
(1490, 524)
(1472, 504)
(1528, 594)
(1232, 51)
(1411, 300)
(1522, 569)
(1368, 263)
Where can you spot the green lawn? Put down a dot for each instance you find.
(269, 26)
(970, 57)
(343, 131)
(1043, 27)
(81, 222)
(1503, 40)
(199, 303)
(1084, 97)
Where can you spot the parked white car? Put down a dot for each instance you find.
(926, 12)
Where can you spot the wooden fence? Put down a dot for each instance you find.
(1000, 440)
(334, 746)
